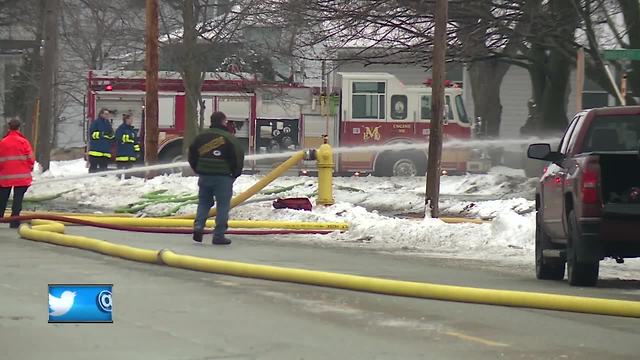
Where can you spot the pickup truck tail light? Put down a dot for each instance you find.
(590, 180)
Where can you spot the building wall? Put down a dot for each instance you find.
(8, 63)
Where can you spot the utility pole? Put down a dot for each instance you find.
(437, 110)
(45, 119)
(579, 78)
(151, 83)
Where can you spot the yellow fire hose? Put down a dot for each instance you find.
(244, 224)
(52, 232)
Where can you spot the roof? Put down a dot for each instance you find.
(366, 75)
(138, 74)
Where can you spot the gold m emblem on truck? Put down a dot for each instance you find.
(370, 133)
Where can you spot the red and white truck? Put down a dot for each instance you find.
(364, 109)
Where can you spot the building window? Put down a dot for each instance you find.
(398, 107)
(368, 100)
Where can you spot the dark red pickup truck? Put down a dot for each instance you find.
(588, 198)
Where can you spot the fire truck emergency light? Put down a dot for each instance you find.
(108, 87)
(447, 83)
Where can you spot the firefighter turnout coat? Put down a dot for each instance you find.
(127, 146)
(100, 138)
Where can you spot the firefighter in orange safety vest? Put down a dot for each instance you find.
(16, 165)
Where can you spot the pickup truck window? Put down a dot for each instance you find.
(613, 133)
(567, 136)
(576, 134)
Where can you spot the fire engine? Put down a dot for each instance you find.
(364, 109)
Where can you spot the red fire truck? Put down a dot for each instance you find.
(366, 109)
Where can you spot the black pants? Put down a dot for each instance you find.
(98, 163)
(16, 207)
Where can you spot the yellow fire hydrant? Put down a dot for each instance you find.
(324, 157)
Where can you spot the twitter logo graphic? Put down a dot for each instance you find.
(61, 305)
(77, 303)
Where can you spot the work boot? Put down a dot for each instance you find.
(221, 241)
(197, 236)
(14, 224)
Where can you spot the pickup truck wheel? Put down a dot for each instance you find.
(546, 268)
(579, 273)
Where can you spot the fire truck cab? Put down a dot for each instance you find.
(378, 109)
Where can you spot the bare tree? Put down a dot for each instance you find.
(95, 35)
(27, 16)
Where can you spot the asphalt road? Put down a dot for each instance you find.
(165, 313)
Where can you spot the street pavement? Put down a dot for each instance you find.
(167, 313)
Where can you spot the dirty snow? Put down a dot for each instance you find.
(370, 205)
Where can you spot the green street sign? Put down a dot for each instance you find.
(622, 54)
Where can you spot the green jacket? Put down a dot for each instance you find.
(216, 152)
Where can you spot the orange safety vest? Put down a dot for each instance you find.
(16, 160)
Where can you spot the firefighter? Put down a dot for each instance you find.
(16, 165)
(100, 142)
(127, 146)
(218, 158)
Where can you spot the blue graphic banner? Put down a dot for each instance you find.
(76, 303)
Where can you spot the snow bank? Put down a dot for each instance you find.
(509, 233)
(367, 203)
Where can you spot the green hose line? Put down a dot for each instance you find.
(52, 232)
(153, 194)
(176, 208)
(141, 205)
(36, 199)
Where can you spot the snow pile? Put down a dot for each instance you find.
(486, 209)
(460, 194)
(500, 182)
(366, 203)
(62, 168)
(508, 233)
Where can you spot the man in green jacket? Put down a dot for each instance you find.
(218, 158)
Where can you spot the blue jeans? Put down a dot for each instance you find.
(210, 187)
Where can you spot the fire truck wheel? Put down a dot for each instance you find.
(390, 164)
(404, 167)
